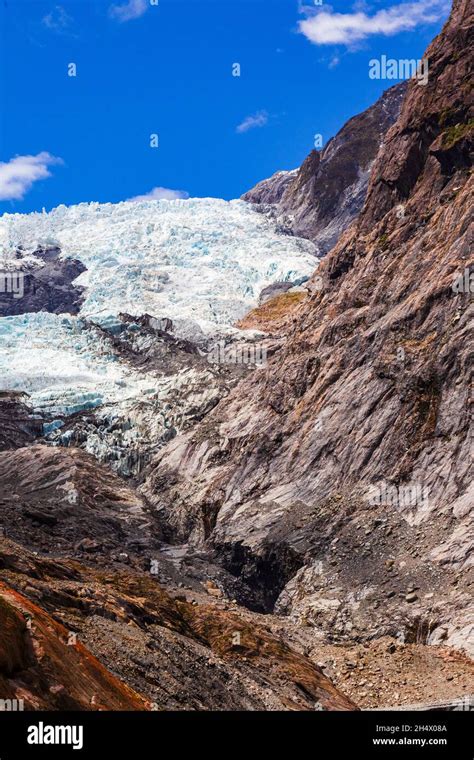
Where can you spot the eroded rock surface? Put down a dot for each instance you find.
(176, 653)
(299, 479)
(41, 665)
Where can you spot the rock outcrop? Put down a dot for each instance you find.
(18, 425)
(271, 190)
(55, 499)
(42, 284)
(178, 653)
(43, 667)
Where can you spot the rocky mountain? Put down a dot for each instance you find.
(338, 479)
(231, 482)
(271, 190)
(90, 392)
(320, 199)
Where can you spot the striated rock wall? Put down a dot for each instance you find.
(299, 479)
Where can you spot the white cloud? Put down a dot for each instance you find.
(329, 28)
(130, 10)
(258, 119)
(18, 175)
(161, 193)
(58, 20)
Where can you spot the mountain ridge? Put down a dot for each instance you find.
(319, 200)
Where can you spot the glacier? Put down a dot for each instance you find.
(200, 262)
(64, 365)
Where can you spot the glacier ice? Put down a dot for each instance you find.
(200, 262)
(64, 366)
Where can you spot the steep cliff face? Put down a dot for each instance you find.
(339, 478)
(321, 199)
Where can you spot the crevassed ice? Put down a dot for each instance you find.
(200, 262)
(64, 367)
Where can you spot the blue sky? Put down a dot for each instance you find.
(166, 69)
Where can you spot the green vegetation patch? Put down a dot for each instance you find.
(457, 132)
